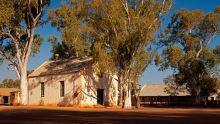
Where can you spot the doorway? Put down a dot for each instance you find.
(5, 98)
(100, 96)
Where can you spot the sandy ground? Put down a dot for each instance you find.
(69, 115)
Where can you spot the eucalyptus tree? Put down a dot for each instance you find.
(116, 32)
(18, 40)
(187, 50)
(10, 83)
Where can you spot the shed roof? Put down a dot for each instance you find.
(7, 91)
(158, 90)
(60, 67)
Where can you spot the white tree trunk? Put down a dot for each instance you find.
(198, 96)
(127, 97)
(24, 87)
(198, 100)
(127, 102)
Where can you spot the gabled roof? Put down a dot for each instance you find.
(7, 91)
(157, 90)
(60, 67)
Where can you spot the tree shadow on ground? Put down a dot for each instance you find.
(50, 116)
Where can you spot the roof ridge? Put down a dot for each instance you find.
(40, 66)
(73, 59)
(155, 84)
(61, 65)
(143, 87)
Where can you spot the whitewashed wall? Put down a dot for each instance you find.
(52, 89)
(80, 89)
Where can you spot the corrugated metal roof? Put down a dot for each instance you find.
(157, 90)
(7, 91)
(60, 67)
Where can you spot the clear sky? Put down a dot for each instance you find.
(151, 75)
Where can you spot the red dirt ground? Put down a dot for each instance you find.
(69, 115)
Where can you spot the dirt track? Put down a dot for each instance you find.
(58, 115)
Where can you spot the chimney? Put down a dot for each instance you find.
(56, 56)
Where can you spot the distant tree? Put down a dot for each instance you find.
(18, 40)
(173, 88)
(61, 50)
(187, 50)
(10, 83)
(71, 22)
(215, 70)
(117, 32)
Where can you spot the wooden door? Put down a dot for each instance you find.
(100, 96)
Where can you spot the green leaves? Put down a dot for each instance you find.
(174, 55)
(18, 21)
(10, 83)
(186, 40)
(158, 60)
(38, 40)
(116, 32)
(71, 21)
(6, 12)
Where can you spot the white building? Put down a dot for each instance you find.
(71, 82)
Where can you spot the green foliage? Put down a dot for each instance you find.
(10, 83)
(124, 33)
(116, 32)
(62, 51)
(69, 20)
(6, 11)
(18, 21)
(158, 60)
(186, 40)
(172, 87)
(38, 40)
(194, 75)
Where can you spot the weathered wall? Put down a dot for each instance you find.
(80, 89)
(92, 82)
(1, 100)
(52, 90)
(15, 98)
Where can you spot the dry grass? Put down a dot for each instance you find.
(66, 115)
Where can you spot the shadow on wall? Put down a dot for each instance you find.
(99, 81)
(56, 70)
(93, 82)
(73, 97)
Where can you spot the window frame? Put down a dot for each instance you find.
(62, 88)
(42, 89)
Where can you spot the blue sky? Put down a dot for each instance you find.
(151, 75)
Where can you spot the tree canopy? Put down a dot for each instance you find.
(18, 22)
(115, 32)
(10, 83)
(187, 50)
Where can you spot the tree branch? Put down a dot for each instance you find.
(17, 72)
(27, 50)
(160, 14)
(125, 6)
(16, 67)
(210, 39)
(29, 43)
(29, 10)
(18, 52)
(201, 44)
(200, 50)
